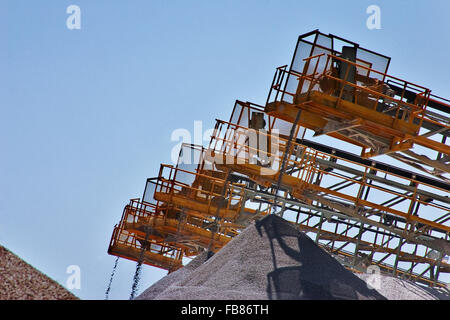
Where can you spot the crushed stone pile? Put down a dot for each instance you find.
(172, 278)
(270, 259)
(398, 289)
(21, 281)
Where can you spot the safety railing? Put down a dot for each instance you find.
(172, 226)
(363, 90)
(155, 253)
(205, 195)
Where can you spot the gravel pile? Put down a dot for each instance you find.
(20, 281)
(270, 259)
(173, 278)
(398, 289)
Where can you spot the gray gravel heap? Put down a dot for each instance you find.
(172, 278)
(398, 289)
(270, 259)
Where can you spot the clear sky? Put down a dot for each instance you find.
(87, 115)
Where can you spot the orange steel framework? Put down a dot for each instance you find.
(182, 220)
(361, 210)
(335, 190)
(348, 95)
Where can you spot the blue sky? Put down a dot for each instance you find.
(87, 114)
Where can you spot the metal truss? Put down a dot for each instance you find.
(365, 212)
